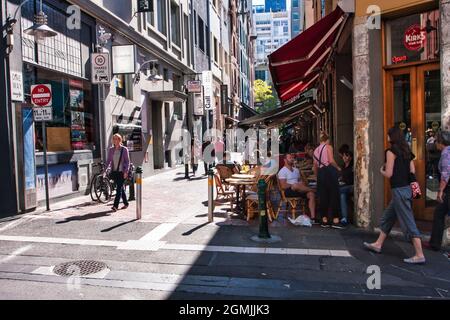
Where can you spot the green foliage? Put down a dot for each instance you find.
(264, 97)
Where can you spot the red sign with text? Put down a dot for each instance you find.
(414, 38)
(41, 95)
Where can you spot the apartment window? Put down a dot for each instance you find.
(208, 42)
(216, 50)
(295, 3)
(166, 74)
(151, 18)
(295, 15)
(175, 23)
(201, 34)
(195, 28)
(161, 14)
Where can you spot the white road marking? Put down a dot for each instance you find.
(104, 243)
(16, 253)
(159, 232)
(162, 245)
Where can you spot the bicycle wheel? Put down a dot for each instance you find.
(103, 189)
(92, 189)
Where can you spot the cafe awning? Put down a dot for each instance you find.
(297, 65)
(279, 116)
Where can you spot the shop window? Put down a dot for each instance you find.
(131, 132)
(73, 126)
(124, 86)
(413, 38)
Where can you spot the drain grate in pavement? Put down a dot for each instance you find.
(79, 268)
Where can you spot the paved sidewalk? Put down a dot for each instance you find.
(173, 253)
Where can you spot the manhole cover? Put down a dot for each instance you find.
(79, 268)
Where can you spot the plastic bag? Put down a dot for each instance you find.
(302, 220)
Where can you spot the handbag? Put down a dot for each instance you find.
(415, 187)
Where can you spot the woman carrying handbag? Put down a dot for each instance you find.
(399, 168)
(119, 161)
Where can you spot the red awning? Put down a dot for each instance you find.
(296, 66)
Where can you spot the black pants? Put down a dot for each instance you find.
(194, 168)
(120, 190)
(439, 222)
(328, 192)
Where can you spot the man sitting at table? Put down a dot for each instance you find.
(293, 186)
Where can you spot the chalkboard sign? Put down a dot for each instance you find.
(145, 5)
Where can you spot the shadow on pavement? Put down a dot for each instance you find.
(119, 225)
(81, 205)
(188, 233)
(85, 217)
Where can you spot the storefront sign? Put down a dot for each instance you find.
(41, 95)
(414, 38)
(123, 59)
(399, 59)
(207, 89)
(42, 114)
(194, 86)
(101, 72)
(16, 86)
(224, 99)
(145, 5)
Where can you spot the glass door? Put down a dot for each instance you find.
(413, 104)
(429, 102)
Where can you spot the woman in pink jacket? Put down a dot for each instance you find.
(119, 162)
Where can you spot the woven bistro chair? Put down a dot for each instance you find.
(224, 173)
(292, 202)
(252, 201)
(223, 195)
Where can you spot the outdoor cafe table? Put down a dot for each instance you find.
(240, 204)
(243, 176)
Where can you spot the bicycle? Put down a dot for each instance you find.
(103, 187)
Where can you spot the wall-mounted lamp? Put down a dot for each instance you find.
(154, 76)
(40, 30)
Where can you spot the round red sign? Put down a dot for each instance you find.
(41, 95)
(414, 38)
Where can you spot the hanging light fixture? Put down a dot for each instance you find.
(40, 30)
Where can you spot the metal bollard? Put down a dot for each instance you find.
(210, 195)
(263, 221)
(139, 193)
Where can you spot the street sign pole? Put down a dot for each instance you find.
(44, 138)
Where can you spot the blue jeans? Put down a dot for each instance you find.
(400, 208)
(345, 191)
